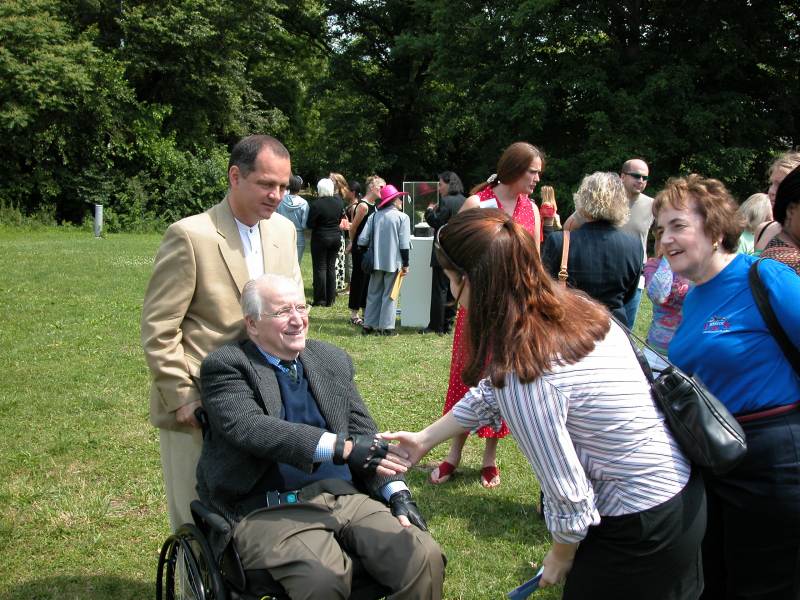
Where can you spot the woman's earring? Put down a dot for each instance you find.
(715, 246)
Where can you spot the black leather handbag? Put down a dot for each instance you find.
(368, 258)
(705, 430)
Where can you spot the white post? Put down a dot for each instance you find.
(98, 220)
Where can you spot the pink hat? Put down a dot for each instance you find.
(389, 193)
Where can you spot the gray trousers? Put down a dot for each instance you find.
(381, 310)
(302, 547)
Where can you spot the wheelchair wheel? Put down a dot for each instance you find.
(186, 568)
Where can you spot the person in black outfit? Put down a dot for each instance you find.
(359, 281)
(604, 261)
(451, 199)
(326, 238)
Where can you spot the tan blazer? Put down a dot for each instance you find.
(192, 305)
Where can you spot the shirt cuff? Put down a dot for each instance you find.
(392, 487)
(324, 450)
(569, 522)
(478, 408)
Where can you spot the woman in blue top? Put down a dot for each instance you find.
(753, 537)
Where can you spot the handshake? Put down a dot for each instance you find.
(373, 454)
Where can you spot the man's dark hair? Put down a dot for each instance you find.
(244, 153)
(453, 181)
(295, 183)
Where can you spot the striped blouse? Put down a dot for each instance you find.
(592, 434)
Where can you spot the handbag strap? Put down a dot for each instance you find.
(762, 301)
(562, 272)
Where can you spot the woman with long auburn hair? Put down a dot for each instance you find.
(625, 511)
(509, 190)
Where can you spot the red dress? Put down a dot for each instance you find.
(524, 214)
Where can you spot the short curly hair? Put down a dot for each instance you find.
(601, 197)
(712, 202)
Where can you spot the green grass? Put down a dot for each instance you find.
(82, 508)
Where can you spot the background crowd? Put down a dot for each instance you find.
(540, 350)
(702, 240)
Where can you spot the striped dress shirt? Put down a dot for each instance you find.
(592, 434)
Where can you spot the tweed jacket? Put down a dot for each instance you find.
(191, 305)
(247, 436)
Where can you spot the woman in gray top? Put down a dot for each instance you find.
(388, 231)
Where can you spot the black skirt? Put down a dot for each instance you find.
(651, 555)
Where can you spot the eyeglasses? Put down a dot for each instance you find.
(637, 176)
(286, 311)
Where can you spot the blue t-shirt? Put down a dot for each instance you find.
(724, 341)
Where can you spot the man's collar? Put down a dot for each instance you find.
(271, 358)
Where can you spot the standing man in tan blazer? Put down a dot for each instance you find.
(192, 301)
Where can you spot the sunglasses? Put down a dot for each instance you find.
(637, 176)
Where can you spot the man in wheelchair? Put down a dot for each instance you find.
(288, 449)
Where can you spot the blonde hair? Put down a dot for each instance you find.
(787, 161)
(549, 196)
(601, 197)
(375, 180)
(340, 184)
(756, 210)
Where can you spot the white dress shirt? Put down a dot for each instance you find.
(251, 241)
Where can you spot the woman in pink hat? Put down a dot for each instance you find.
(518, 173)
(388, 233)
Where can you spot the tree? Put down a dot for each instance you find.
(63, 105)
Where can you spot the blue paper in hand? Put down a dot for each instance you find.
(527, 588)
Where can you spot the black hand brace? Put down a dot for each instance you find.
(402, 504)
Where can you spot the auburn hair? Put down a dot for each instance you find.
(519, 320)
(512, 165)
(712, 202)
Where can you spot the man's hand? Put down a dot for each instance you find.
(185, 414)
(406, 511)
(368, 454)
(557, 563)
(404, 270)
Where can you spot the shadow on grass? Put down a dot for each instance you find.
(95, 587)
(507, 512)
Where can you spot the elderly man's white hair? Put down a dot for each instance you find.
(252, 300)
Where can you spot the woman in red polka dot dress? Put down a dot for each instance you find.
(517, 175)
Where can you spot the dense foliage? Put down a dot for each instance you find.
(134, 104)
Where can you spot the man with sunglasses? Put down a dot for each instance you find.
(289, 448)
(635, 175)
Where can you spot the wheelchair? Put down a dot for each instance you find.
(199, 561)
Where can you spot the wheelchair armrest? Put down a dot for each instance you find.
(212, 520)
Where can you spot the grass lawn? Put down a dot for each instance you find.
(82, 508)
